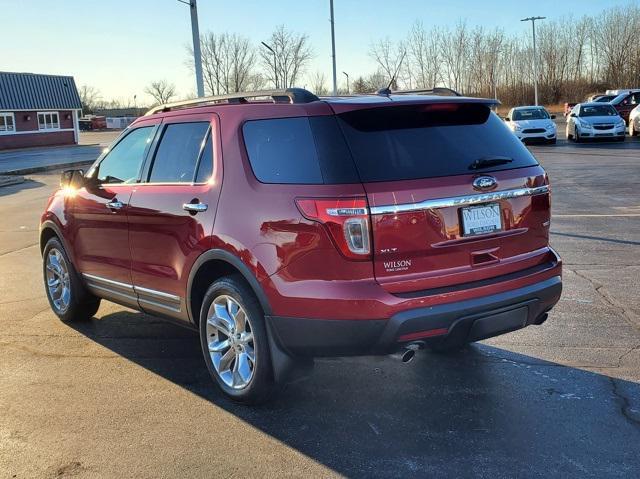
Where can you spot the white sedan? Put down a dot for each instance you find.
(532, 123)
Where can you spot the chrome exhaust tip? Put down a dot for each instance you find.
(408, 352)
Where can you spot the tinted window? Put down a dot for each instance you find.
(205, 167)
(425, 141)
(177, 155)
(122, 163)
(309, 150)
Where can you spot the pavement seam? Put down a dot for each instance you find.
(19, 249)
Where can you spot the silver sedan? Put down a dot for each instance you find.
(595, 120)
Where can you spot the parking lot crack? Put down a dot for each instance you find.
(599, 288)
(625, 405)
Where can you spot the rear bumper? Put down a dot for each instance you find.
(468, 320)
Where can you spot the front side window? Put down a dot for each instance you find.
(177, 156)
(122, 163)
(7, 123)
(48, 121)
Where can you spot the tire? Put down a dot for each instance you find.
(225, 344)
(552, 141)
(576, 136)
(569, 135)
(620, 139)
(67, 296)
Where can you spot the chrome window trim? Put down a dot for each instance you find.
(459, 200)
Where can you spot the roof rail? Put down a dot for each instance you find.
(290, 95)
(439, 90)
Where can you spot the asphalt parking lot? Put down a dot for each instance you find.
(127, 395)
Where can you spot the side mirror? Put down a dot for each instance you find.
(573, 115)
(553, 117)
(506, 118)
(72, 179)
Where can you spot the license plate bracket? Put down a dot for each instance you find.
(481, 219)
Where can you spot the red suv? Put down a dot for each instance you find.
(284, 226)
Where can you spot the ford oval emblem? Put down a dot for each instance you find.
(484, 182)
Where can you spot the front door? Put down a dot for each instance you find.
(100, 232)
(171, 212)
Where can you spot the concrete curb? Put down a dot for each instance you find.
(40, 169)
(10, 180)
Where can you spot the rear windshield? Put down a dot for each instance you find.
(427, 141)
(382, 144)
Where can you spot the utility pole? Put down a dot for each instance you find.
(535, 56)
(197, 55)
(275, 64)
(347, 75)
(333, 50)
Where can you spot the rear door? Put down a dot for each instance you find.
(171, 212)
(454, 196)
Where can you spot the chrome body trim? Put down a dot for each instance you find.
(459, 200)
(136, 296)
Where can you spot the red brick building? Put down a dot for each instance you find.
(38, 110)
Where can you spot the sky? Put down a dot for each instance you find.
(120, 46)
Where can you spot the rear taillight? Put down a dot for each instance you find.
(347, 220)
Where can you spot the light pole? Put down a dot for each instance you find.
(535, 56)
(347, 75)
(275, 64)
(333, 50)
(197, 55)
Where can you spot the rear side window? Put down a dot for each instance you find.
(427, 141)
(177, 155)
(307, 150)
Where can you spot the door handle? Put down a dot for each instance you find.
(195, 207)
(115, 204)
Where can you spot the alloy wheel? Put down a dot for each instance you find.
(230, 342)
(58, 280)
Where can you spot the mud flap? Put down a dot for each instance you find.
(286, 367)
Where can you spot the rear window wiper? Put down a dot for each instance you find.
(487, 162)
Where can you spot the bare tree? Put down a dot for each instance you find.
(162, 91)
(388, 56)
(453, 46)
(424, 56)
(292, 55)
(319, 83)
(89, 97)
(228, 63)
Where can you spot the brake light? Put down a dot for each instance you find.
(347, 220)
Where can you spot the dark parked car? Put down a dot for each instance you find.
(284, 226)
(625, 102)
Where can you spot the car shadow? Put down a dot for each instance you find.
(484, 411)
(27, 184)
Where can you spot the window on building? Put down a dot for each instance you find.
(48, 121)
(7, 123)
